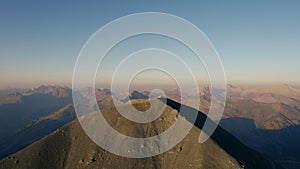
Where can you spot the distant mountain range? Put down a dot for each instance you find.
(276, 94)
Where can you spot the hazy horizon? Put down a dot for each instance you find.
(145, 87)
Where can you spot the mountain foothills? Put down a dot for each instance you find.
(265, 119)
(70, 147)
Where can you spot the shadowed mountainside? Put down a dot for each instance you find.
(36, 130)
(29, 107)
(32, 114)
(281, 145)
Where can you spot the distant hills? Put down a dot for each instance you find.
(11, 97)
(275, 94)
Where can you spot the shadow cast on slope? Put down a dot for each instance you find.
(281, 145)
(244, 155)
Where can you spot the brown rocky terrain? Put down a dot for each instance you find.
(70, 147)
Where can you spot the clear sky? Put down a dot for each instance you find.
(258, 42)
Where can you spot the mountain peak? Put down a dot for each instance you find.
(54, 90)
(70, 147)
(138, 95)
(285, 86)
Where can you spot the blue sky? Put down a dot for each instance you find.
(258, 42)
